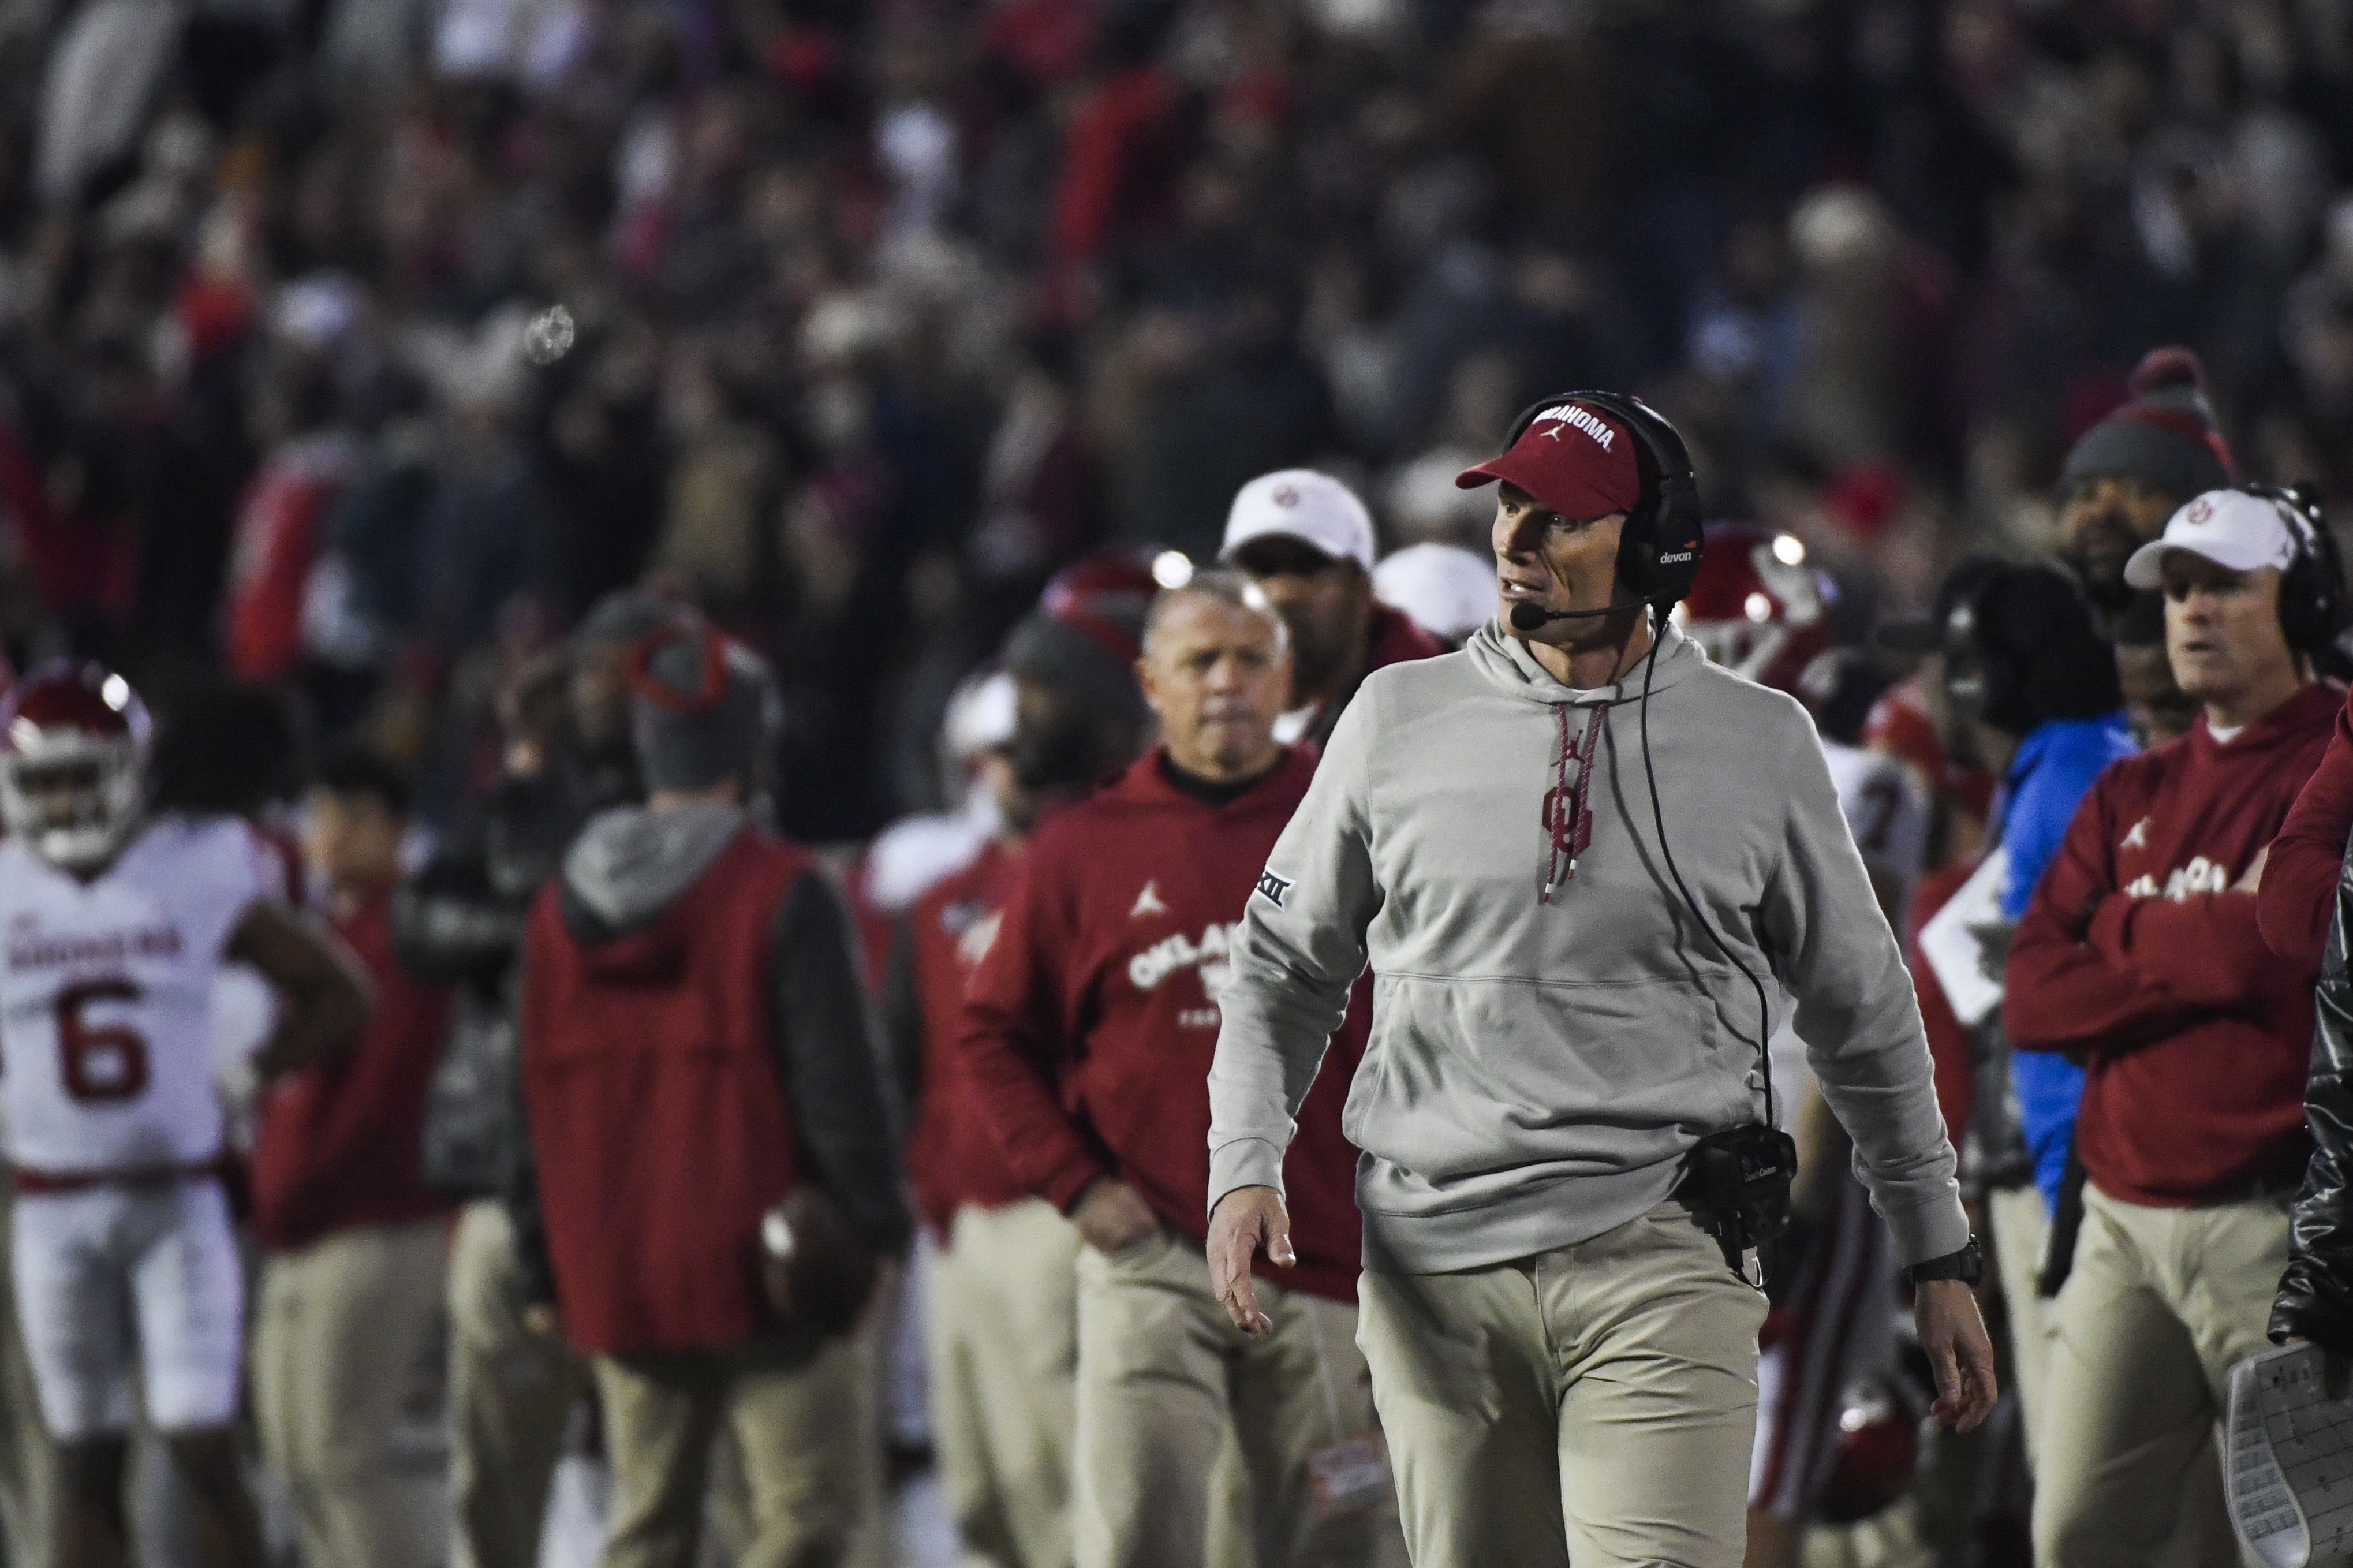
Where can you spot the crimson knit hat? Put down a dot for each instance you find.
(1086, 634)
(2164, 436)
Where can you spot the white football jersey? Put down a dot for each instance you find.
(1885, 810)
(1888, 816)
(106, 1054)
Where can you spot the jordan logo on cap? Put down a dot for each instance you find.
(1570, 416)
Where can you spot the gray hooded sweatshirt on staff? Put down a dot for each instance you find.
(1551, 1031)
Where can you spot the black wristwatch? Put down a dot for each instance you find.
(1967, 1266)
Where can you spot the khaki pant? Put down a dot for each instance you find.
(1163, 1376)
(2161, 1304)
(1002, 1329)
(1596, 1404)
(343, 1348)
(27, 1457)
(2020, 1222)
(510, 1394)
(793, 1414)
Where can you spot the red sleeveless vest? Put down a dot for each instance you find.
(657, 1107)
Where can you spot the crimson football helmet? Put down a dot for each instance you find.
(1107, 597)
(73, 757)
(1756, 607)
(1878, 1449)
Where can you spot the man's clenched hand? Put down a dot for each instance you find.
(1113, 1216)
(1245, 1220)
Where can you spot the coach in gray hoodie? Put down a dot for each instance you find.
(1563, 1363)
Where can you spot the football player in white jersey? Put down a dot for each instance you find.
(112, 925)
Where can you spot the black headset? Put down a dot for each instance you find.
(2027, 628)
(1659, 548)
(2312, 590)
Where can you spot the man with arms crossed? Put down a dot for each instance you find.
(1087, 1035)
(2142, 955)
(125, 1262)
(1565, 1363)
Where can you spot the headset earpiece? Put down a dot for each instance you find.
(2312, 590)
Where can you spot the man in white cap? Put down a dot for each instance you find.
(1307, 541)
(2141, 956)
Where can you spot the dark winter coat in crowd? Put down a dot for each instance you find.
(2315, 1295)
(458, 921)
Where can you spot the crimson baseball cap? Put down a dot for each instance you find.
(1572, 456)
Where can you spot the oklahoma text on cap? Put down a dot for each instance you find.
(1574, 459)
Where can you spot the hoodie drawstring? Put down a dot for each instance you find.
(1567, 812)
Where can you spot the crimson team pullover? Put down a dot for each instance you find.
(2140, 955)
(952, 1157)
(340, 1141)
(1089, 1028)
(2299, 890)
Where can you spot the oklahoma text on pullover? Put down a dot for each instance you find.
(1088, 1028)
(1551, 1031)
(2141, 953)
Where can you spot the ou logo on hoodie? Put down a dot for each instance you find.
(1166, 956)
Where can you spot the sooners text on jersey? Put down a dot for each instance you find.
(106, 1059)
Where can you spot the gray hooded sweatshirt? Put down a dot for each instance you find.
(1551, 1031)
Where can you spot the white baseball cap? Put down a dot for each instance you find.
(1448, 591)
(1301, 503)
(2229, 527)
(980, 716)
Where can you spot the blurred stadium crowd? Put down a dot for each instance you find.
(359, 346)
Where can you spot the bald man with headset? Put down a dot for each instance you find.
(1584, 918)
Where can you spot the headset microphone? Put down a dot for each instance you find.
(1535, 617)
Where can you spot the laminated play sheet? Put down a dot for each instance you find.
(2288, 1463)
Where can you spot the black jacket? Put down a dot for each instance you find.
(458, 921)
(2315, 1295)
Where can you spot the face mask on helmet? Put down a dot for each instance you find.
(71, 783)
(73, 812)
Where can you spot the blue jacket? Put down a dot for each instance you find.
(2053, 769)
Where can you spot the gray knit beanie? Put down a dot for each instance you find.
(705, 709)
(628, 615)
(2164, 436)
